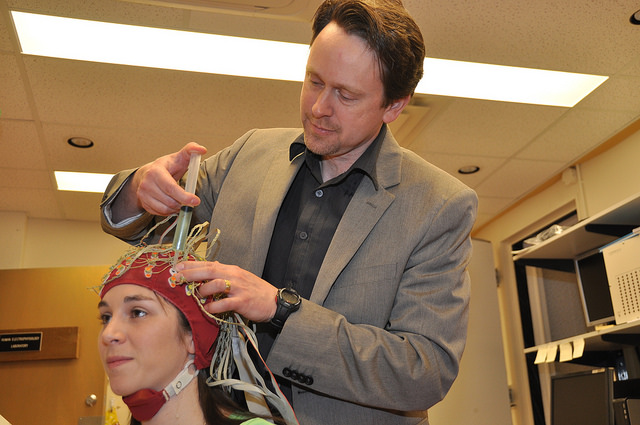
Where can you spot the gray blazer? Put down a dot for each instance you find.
(383, 332)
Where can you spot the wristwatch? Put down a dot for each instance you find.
(287, 301)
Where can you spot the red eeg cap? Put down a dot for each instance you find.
(153, 270)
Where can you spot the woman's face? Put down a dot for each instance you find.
(141, 344)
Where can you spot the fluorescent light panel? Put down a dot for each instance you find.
(82, 182)
(506, 83)
(78, 39)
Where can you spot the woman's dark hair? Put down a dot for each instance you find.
(390, 32)
(215, 403)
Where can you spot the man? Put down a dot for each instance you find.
(370, 241)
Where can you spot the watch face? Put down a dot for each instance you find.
(289, 297)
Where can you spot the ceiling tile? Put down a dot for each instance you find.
(293, 31)
(105, 10)
(38, 203)
(615, 95)
(13, 97)
(20, 146)
(114, 149)
(142, 98)
(632, 68)
(452, 163)
(576, 134)
(490, 206)
(485, 128)
(6, 43)
(21, 178)
(518, 177)
(595, 37)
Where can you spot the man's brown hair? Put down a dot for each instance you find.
(391, 34)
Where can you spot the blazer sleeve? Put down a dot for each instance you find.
(135, 228)
(212, 174)
(410, 363)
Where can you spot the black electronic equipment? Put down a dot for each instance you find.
(627, 411)
(584, 398)
(594, 289)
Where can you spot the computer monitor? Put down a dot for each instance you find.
(584, 398)
(594, 289)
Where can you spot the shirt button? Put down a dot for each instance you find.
(319, 193)
(303, 235)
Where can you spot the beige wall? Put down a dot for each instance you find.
(36, 243)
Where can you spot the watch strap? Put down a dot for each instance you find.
(284, 308)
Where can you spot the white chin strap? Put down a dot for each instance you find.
(180, 381)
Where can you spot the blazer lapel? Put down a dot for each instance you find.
(362, 214)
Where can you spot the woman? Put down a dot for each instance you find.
(156, 338)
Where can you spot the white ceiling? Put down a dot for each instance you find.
(137, 114)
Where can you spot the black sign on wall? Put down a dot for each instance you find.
(20, 342)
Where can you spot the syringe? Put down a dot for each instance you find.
(184, 218)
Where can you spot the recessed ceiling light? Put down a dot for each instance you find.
(53, 36)
(469, 169)
(80, 142)
(635, 18)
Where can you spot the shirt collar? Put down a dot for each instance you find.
(365, 163)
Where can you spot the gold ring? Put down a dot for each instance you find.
(227, 286)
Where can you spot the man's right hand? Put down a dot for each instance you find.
(154, 188)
